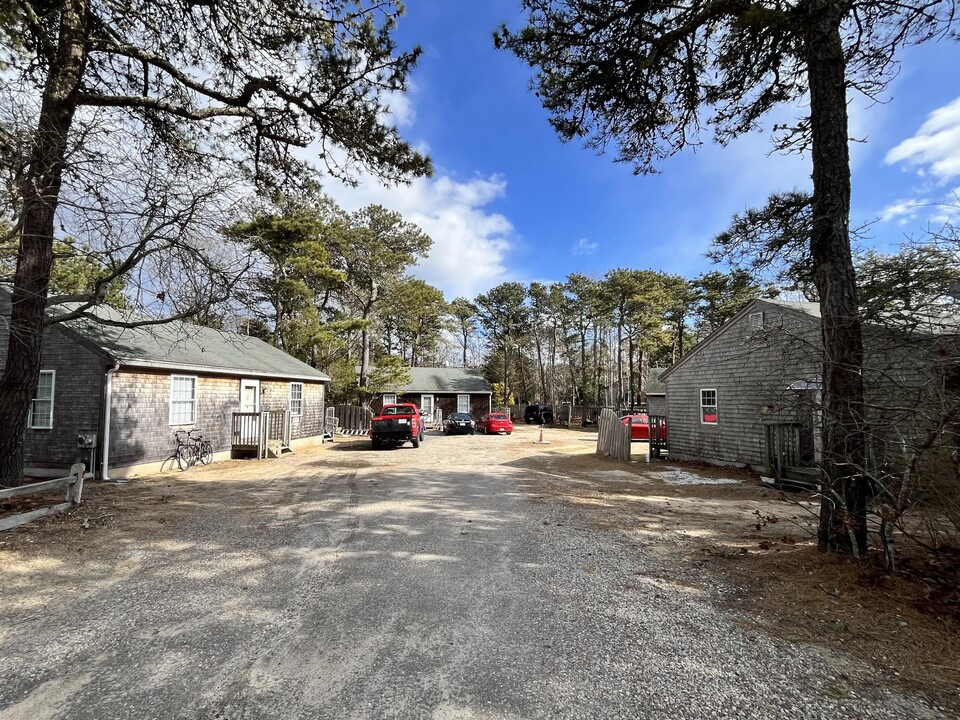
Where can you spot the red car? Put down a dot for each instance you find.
(641, 427)
(499, 423)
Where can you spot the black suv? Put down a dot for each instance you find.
(539, 414)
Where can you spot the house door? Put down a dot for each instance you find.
(246, 428)
(249, 396)
(426, 405)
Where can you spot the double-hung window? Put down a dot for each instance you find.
(296, 399)
(183, 399)
(708, 407)
(463, 403)
(389, 398)
(41, 407)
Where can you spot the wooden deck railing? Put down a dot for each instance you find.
(260, 431)
(246, 429)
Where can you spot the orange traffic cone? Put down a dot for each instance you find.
(541, 441)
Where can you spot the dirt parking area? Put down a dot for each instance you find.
(750, 549)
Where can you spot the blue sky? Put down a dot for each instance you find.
(509, 201)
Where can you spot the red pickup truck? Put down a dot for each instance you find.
(395, 425)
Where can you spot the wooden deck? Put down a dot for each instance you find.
(265, 433)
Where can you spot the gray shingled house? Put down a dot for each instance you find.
(130, 388)
(749, 394)
(448, 389)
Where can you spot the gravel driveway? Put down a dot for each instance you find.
(347, 583)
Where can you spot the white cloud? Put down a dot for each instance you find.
(937, 211)
(469, 242)
(399, 108)
(935, 148)
(903, 209)
(584, 247)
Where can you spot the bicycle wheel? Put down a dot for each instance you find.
(206, 452)
(184, 457)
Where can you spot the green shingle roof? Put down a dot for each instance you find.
(445, 380)
(181, 346)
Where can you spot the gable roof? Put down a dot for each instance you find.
(654, 385)
(445, 380)
(807, 309)
(178, 345)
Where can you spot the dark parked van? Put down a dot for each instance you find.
(539, 414)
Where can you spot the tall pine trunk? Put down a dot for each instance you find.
(843, 505)
(41, 192)
(365, 340)
(621, 394)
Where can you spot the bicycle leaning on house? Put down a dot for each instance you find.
(192, 448)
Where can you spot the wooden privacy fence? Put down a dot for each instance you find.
(73, 483)
(613, 439)
(353, 419)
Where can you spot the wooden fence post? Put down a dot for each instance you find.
(75, 488)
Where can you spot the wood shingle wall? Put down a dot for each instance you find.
(140, 423)
(479, 404)
(77, 399)
(751, 369)
(752, 366)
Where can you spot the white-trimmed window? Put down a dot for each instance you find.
(183, 399)
(389, 398)
(41, 407)
(755, 320)
(708, 407)
(463, 403)
(296, 399)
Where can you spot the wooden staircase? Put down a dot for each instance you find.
(279, 449)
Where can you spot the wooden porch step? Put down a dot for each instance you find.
(801, 477)
(278, 450)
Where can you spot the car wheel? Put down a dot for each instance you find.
(472, 431)
(416, 441)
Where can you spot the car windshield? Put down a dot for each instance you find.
(498, 417)
(459, 416)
